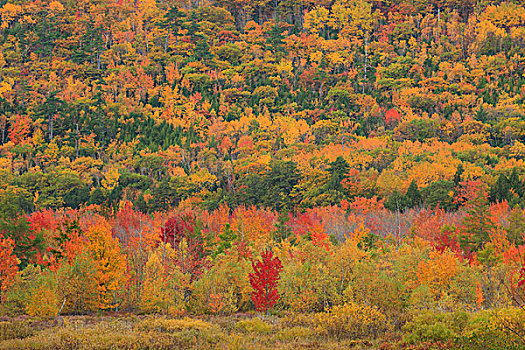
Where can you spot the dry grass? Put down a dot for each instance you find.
(483, 330)
(149, 332)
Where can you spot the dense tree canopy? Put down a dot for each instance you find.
(160, 102)
(155, 154)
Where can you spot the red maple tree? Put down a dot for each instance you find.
(183, 228)
(392, 116)
(264, 281)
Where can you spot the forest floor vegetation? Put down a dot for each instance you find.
(494, 329)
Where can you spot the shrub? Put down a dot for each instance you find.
(495, 329)
(295, 334)
(485, 330)
(255, 325)
(15, 330)
(353, 321)
(435, 327)
(187, 331)
(173, 325)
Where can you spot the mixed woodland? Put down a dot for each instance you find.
(253, 174)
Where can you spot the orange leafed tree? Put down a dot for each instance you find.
(253, 225)
(63, 236)
(438, 271)
(20, 128)
(109, 260)
(137, 234)
(8, 264)
(312, 226)
(215, 221)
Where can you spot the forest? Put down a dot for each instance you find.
(256, 174)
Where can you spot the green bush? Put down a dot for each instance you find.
(435, 327)
(255, 325)
(496, 329)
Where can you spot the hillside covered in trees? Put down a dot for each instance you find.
(354, 170)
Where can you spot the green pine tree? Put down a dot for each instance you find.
(413, 196)
(477, 223)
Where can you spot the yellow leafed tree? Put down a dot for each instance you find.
(110, 262)
(43, 302)
(111, 178)
(438, 271)
(164, 284)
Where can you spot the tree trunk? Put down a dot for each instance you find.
(166, 42)
(77, 142)
(50, 127)
(366, 58)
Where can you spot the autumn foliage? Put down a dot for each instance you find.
(8, 264)
(264, 281)
(356, 167)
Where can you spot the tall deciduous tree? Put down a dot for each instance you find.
(184, 233)
(8, 264)
(109, 261)
(264, 281)
(164, 283)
